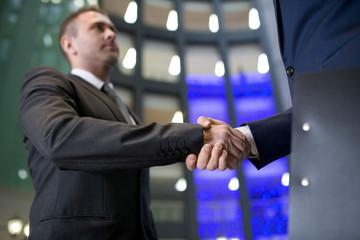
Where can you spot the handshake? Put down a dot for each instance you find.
(224, 147)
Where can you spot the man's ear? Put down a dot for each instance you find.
(68, 45)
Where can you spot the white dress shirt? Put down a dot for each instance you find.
(254, 153)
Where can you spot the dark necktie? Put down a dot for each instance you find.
(111, 92)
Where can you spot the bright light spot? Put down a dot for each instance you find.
(172, 21)
(178, 117)
(47, 39)
(174, 67)
(234, 239)
(131, 13)
(213, 23)
(263, 64)
(56, 1)
(285, 179)
(15, 226)
(234, 184)
(129, 61)
(27, 230)
(22, 174)
(79, 3)
(254, 21)
(93, 2)
(305, 182)
(219, 68)
(306, 127)
(181, 185)
(221, 238)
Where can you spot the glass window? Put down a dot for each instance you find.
(156, 12)
(236, 15)
(159, 108)
(166, 202)
(267, 191)
(244, 58)
(201, 59)
(159, 58)
(127, 56)
(196, 16)
(115, 7)
(167, 182)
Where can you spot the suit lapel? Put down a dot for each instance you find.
(113, 107)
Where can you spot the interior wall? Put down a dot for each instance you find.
(17, 204)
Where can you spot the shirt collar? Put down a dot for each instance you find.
(89, 77)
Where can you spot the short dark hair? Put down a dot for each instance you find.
(67, 27)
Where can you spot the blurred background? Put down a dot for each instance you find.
(180, 59)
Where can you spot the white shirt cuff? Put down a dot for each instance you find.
(254, 153)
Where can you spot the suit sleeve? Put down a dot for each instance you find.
(272, 137)
(52, 126)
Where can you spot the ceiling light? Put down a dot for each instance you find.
(27, 230)
(254, 21)
(47, 39)
(129, 61)
(79, 3)
(285, 179)
(172, 21)
(22, 174)
(263, 64)
(234, 184)
(219, 68)
(131, 13)
(93, 2)
(213, 23)
(174, 67)
(181, 185)
(178, 117)
(15, 226)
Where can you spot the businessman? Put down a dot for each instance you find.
(88, 153)
(316, 36)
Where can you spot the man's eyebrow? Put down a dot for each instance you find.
(109, 25)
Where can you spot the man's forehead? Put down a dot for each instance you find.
(92, 16)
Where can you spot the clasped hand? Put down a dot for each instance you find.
(224, 147)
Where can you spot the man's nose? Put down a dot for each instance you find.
(110, 34)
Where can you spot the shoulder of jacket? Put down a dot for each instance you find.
(44, 75)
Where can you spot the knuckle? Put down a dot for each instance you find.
(201, 166)
(211, 167)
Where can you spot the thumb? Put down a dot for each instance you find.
(191, 162)
(204, 122)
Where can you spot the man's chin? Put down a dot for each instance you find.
(112, 62)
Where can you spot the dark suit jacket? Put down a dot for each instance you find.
(89, 169)
(314, 35)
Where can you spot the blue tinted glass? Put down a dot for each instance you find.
(218, 208)
(268, 197)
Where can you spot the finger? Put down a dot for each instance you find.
(239, 146)
(204, 122)
(223, 160)
(204, 156)
(191, 162)
(215, 155)
(214, 121)
(232, 163)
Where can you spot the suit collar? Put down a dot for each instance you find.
(104, 97)
(88, 77)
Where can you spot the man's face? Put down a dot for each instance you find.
(95, 40)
